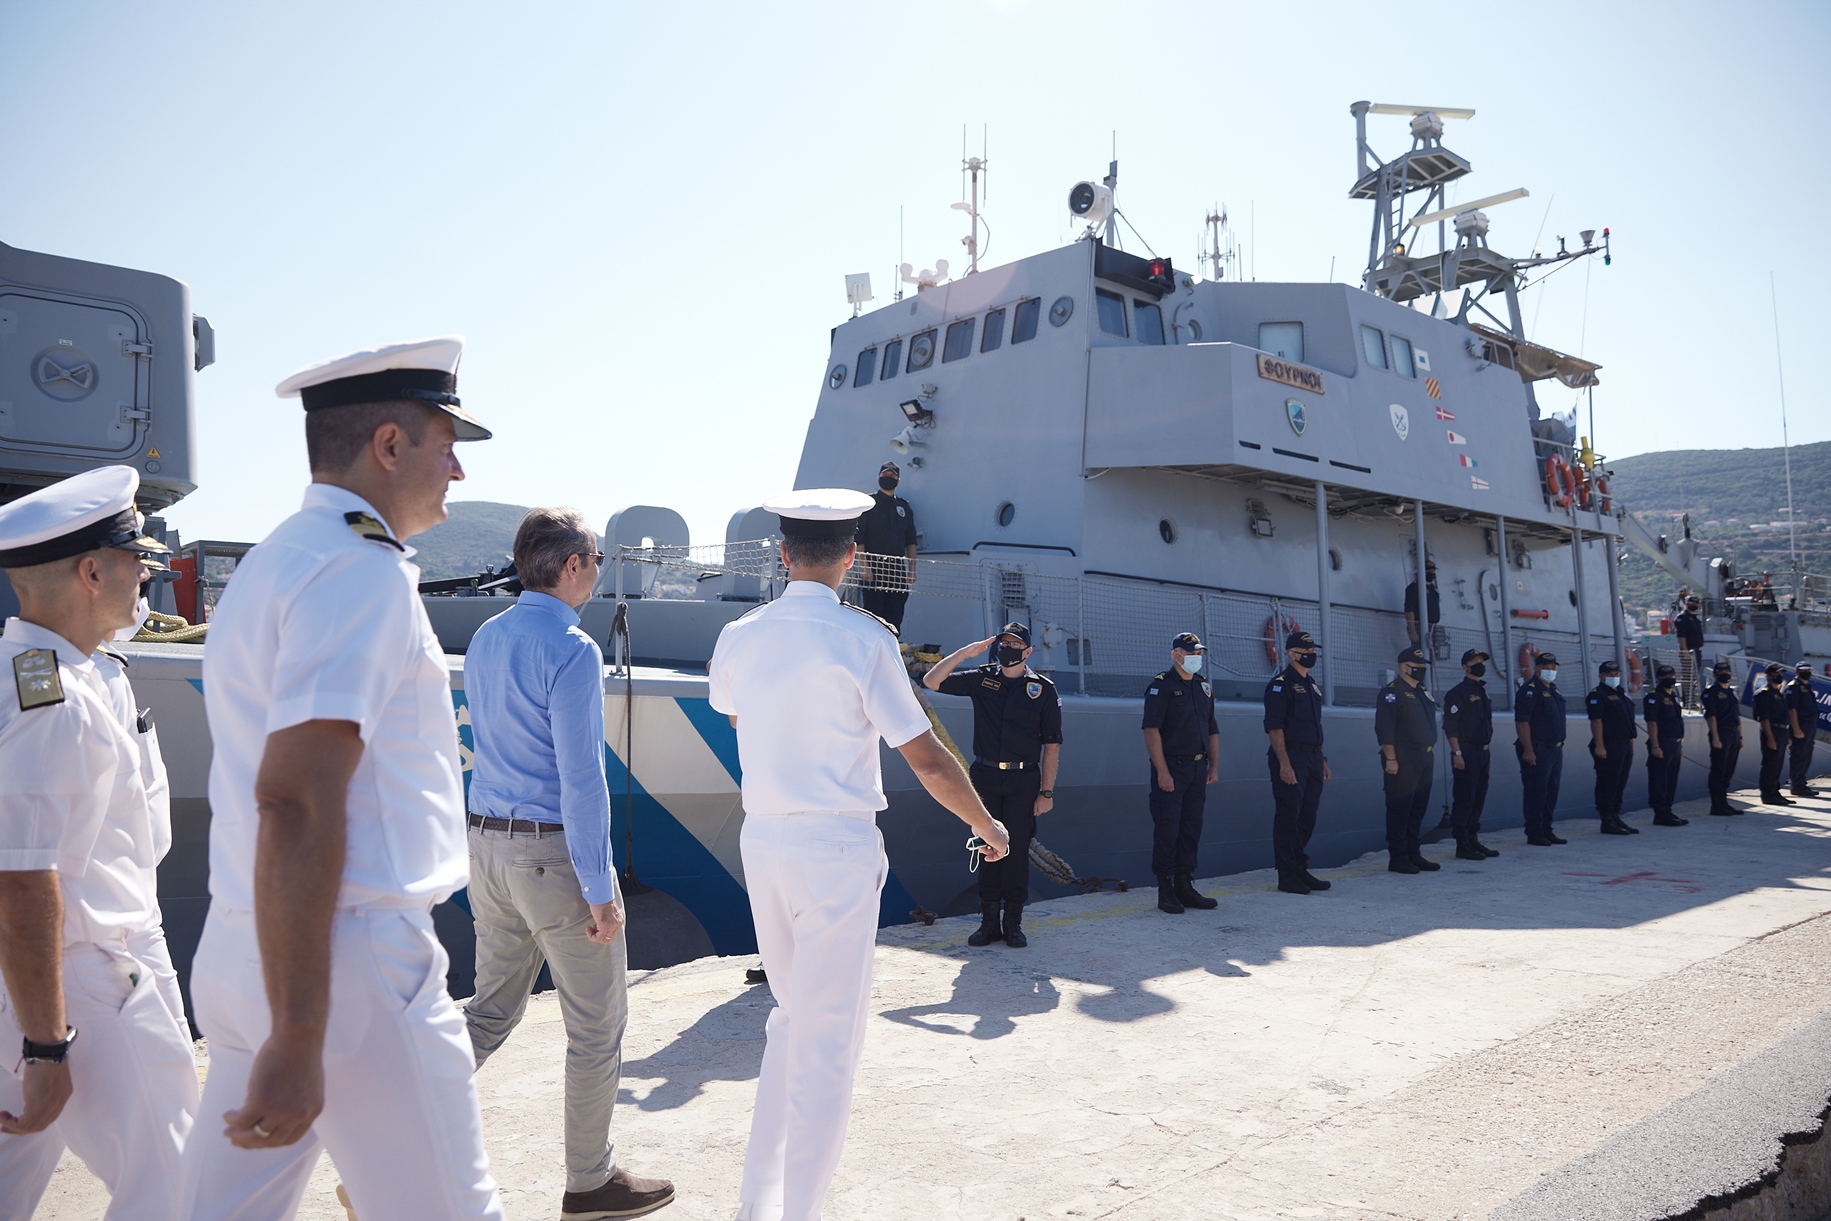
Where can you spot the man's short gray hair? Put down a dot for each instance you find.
(545, 540)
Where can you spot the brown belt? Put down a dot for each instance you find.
(515, 826)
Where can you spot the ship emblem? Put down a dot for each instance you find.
(1033, 689)
(1293, 411)
(1401, 421)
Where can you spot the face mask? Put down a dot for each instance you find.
(1722, 680)
(887, 483)
(1478, 669)
(1550, 676)
(1010, 654)
(1193, 663)
(1414, 673)
(141, 611)
(1613, 680)
(1668, 683)
(1306, 660)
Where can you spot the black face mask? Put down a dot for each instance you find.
(1722, 680)
(1010, 654)
(1478, 669)
(1306, 660)
(887, 483)
(1668, 683)
(1414, 673)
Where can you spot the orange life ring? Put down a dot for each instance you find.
(1633, 671)
(1607, 503)
(1528, 653)
(1558, 481)
(1274, 636)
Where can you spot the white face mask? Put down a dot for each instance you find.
(1613, 680)
(1550, 676)
(1193, 663)
(141, 610)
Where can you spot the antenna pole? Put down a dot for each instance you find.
(1786, 448)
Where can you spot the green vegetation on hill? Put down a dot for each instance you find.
(1737, 500)
(477, 534)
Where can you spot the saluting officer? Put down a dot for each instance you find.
(337, 822)
(1538, 722)
(1723, 714)
(84, 821)
(1293, 723)
(887, 536)
(1665, 717)
(1611, 746)
(1468, 725)
(813, 687)
(1184, 743)
(1775, 718)
(1017, 745)
(1804, 703)
(1405, 722)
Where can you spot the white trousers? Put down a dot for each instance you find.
(133, 1083)
(400, 1115)
(814, 882)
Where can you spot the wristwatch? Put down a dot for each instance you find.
(49, 1053)
(1049, 793)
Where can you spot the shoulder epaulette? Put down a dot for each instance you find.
(877, 619)
(368, 527)
(119, 660)
(36, 678)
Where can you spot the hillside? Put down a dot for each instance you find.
(1737, 502)
(477, 534)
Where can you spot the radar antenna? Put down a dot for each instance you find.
(973, 167)
(1217, 250)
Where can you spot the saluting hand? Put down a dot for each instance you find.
(47, 1089)
(988, 645)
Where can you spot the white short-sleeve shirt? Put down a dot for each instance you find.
(814, 684)
(321, 623)
(72, 792)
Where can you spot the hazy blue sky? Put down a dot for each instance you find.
(641, 216)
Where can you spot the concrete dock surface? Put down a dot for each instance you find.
(1617, 1028)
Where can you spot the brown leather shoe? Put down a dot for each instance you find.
(624, 1195)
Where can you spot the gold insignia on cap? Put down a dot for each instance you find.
(371, 529)
(36, 677)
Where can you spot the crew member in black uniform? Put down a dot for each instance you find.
(1433, 605)
(1293, 723)
(1468, 724)
(1538, 720)
(1665, 718)
(1184, 742)
(1804, 703)
(887, 537)
(1017, 744)
(1689, 627)
(1776, 721)
(1723, 714)
(1405, 722)
(1611, 746)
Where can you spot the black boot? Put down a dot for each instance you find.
(1424, 863)
(1612, 825)
(988, 931)
(1666, 818)
(1399, 862)
(1291, 882)
(1014, 924)
(1483, 848)
(1312, 881)
(1552, 837)
(1166, 895)
(1629, 827)
(1188, 896)
(1467, 850)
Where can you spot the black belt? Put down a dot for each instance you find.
(1185, 758)
(515, 826)
(1290, 746)
(1003, 767)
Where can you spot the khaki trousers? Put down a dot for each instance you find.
(524, 896)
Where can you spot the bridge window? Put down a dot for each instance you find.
(1403, 362)
(1149, 318)
(994, 331)
(1023, 323)
(921, 351)
(1373, 343)
(1112, 312)
(959, 343)
(867, 365)
(893, 356)
(1282, 339)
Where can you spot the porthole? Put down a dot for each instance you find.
(1007, 512)
(1195, 330)
(921, 351)
(1166, 530)
(837, 377)
(1061, 311)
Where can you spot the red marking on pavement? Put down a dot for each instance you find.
(1682, 885)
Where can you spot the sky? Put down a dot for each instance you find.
(641, 216)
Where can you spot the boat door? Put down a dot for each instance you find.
(75, 374)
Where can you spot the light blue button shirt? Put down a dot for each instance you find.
(534, 682)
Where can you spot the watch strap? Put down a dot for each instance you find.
(49, 1053)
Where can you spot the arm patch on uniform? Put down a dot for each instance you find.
(1152, 691)
(36, 678)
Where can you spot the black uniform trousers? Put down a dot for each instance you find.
(1612, 773)
(1407, 798)
(1662, 777)
(1176, 817)
(1469, 792)
(1773, 762)
(1723, 770)
(1294, 806)
(1802, 757)
(1010, 797)
(888, 604)
(1541, 781)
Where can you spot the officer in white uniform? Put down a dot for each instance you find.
(337, 822)
(84, 821)
(812, 684)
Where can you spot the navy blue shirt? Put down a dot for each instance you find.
(1803, 700)
(1468, 713)
(1615, 710)
(1723, 706)
(1666, 715)
(1293, 703)
(1540, 706)
(1405, 717)
(1182, 711)
(1013, 718)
